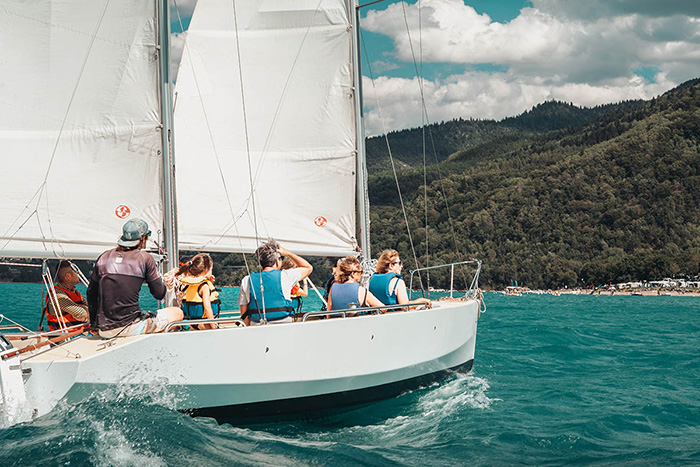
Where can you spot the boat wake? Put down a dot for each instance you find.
(130, 425)
(120, 426)
(435, 405)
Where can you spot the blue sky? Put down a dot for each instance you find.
(489, 59)
(379, 47)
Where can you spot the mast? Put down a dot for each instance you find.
(167, 150)
(362, 198)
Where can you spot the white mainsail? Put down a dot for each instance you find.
(293, 134)
(79, 124)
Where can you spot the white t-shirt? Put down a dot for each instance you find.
(289, 277)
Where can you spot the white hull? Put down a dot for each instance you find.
(265, 370)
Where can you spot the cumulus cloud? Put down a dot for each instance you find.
(591, 9)
(485, 96)
(556, 49)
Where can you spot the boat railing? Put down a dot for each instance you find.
(375, 310)
(12, 327)
(473, 287)
(196, 322)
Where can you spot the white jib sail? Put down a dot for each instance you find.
(79, 124)
(289, 126)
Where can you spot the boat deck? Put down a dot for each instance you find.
(88, 346)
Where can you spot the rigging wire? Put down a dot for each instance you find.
(393, 165)
(41, 190)
(245, 120)
(250, 173)
(425, 119)
(421, 81)
(211, 137)
(424, 115)
(285, 88)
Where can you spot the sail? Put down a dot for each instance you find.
(265, 142)
(79, 124)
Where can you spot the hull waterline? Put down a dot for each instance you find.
(265, 371)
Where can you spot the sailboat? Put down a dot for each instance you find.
(269, 143)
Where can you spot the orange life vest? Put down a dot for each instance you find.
(54, 321)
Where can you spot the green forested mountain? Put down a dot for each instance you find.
(445, 138)
(611, 194)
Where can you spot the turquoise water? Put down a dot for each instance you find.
(575, 380)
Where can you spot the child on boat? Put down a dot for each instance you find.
(300, 289)
(201, 297)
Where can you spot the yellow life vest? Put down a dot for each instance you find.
(194, 284)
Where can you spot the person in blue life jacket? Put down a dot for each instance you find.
(346, 290)
(388, 284)
(200, 296)
(266, 296)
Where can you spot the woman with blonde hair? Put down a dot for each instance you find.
(346, 289)
(388, 284)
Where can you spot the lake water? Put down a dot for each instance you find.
(575, 380)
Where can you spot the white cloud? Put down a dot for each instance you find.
(556, 49)
(487, 96)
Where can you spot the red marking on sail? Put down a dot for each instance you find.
(122, 211)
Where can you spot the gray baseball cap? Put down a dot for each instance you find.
(133, 230)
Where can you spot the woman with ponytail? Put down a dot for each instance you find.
(346, 289)
(200, 297)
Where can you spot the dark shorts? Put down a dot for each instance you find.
(196, 310)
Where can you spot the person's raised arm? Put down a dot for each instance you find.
(402, 295)
(304, 291)
(153, 278)
(305, 266)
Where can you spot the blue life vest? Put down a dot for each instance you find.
(342, 295)
(276, 306)
(379, 286)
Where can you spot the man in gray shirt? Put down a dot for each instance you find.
(113, 292)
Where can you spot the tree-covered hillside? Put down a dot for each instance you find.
(613, 199)
(445, 138)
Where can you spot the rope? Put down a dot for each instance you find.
(51, 292)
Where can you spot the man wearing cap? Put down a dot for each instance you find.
(113, 292)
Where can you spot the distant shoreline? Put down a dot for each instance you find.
(635, 293)
(645, 292)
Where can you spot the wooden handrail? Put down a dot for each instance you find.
(55, 340)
